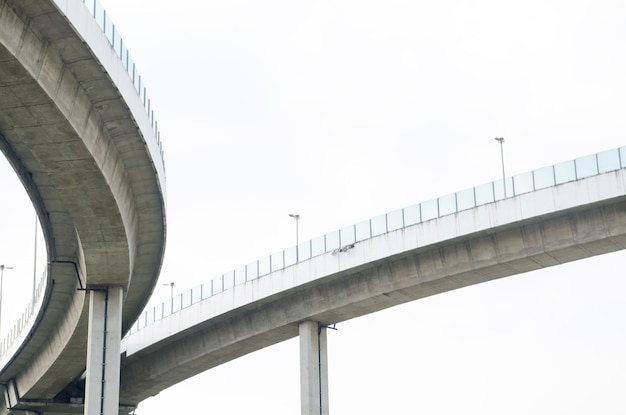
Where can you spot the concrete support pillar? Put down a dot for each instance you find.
(102, 384)
(313, 369)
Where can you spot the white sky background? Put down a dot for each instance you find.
(343, 110)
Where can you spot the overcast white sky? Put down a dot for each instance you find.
(343, 110)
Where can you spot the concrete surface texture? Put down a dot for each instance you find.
(77, 133)
(80, 141)
(534, 230)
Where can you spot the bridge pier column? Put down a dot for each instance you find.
(102, 383)
(313, 369)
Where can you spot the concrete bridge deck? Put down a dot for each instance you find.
(71, 101)
(77, 128)
(558, 214)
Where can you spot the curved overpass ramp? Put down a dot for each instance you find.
(74, 126)
(557, 214)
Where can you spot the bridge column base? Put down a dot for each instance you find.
(313, 369)
(102, 383)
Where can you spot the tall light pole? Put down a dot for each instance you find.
(297, 218)
(2, 268)
(35, 261)
(501, 141)
(171, 285)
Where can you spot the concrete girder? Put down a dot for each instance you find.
(431, 269)
(81, 153)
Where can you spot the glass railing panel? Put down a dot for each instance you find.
(544, 177)
(586, 166)
(565, 172)
(523, 183)
(362, 230)
(499, 189)
(148, 315)
(622, 156)
(347, 235)
(318, 246)
(278, 260)
(484, 194)
(447, 204)
(412, 215)
(196, 294)
(430, 210)
(131, 69)
(158, 312)
(240, 275)
(99, 15)
(252, 271)
(91, 6)
(304, 251)
(332, 241)
(608, 161)
(140, 88)
(379, 225)
(229, 280)
(395, 220)
(108, 29)
(117, 44)
(178, 301)
(186, 299)
(151, 318)
(291, 256)
(501, 192)
(137, 80)
(264, 266)
(218, 285)
(168, 307)
(124, 55)
(465, 199)
(207, 290)
(510, 187)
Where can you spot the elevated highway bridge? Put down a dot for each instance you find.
(79, 130)
(550, 216)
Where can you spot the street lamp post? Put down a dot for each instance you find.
(171, 285)
(2, 268)
(297, 218)
(501, 141)
(35, 261)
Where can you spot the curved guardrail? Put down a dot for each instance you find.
(118, 45)
(113, 35)
(26, 319)
(345, 238)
